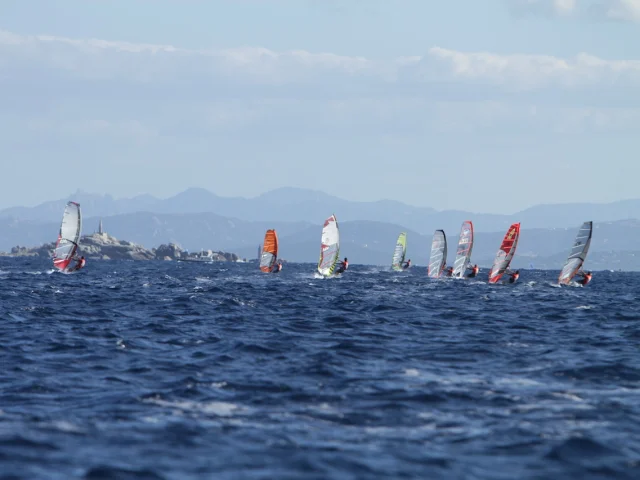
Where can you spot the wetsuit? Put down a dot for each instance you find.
(80, 264)
(343, 266)
(474, 272)
(586, 278)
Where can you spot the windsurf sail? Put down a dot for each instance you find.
(438, 256)
(505, 254)
(269, 251)
(329, 246)
(578, 253)
(465, 245)
(399, 252)
(69, 235)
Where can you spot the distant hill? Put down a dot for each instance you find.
(192, 231)
(284, 204)
(627, 260)
(300, 205)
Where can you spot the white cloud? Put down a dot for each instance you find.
(166, 64)
(555, 7)
(537, 71)
(94, 58)
(564, 7)
(619, 10)
(627, 10)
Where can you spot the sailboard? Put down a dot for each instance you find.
(329, 246)
(578, 253)
(438, 256)
(465, 245)
(505, 254)
(399, 252)
(269, 251)
(68, 237)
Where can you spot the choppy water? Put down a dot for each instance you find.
(183, 371)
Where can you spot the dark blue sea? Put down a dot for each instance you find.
(164, 370)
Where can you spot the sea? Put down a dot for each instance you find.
(168, 370)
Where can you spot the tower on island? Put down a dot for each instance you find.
(100, 230)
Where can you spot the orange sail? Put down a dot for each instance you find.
(269, 251)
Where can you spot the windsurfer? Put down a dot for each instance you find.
(474, 271)
(447, 271)
(407, 265)
(586, 277)
(80, 263)
(513, 276)
(277, 267)
(343, 266)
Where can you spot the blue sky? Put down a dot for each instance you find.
(487, 106)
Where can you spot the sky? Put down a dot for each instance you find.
(486, 106)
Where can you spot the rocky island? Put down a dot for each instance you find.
(102, 246)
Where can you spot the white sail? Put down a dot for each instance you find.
(399, 252)
(465, 246)
(329, 246)
(438, 256)
(578, 253)
(69, 236)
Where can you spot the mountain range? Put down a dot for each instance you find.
(301, 205)
(197, 219)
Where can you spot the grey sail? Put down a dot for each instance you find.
(438, 256)
(578, 253)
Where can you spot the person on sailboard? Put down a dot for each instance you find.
(513, 276)
(407, 264)
(447, 271)
(80, 263)
(474, 271)
(277, 267)
(343, 266)
(586, 277)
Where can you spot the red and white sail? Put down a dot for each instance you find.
(505, 254)
(465, 246)
(69, 236)
(329, 246)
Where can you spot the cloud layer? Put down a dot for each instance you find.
(92, 59)
(228, 88)
(185, 112)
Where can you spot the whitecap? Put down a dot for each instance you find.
(220, 409)
(569, 396)
(67, 427)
